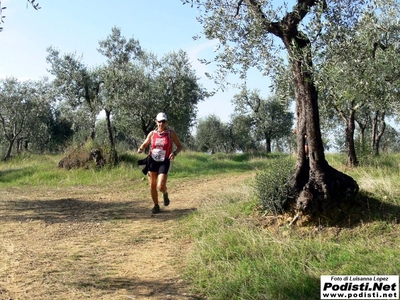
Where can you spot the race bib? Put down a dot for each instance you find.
(158, 154)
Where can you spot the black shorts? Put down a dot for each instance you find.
(161, 167)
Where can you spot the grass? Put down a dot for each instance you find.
(233, 255)
(35, 170)
(239, 261)
(235, 258)
(377, 176)
(42, 170)
(199, 164)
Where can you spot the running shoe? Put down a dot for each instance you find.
(156, 209)
(166, 199)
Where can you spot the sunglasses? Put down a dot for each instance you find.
(163, 121)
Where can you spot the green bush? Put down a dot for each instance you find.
(271, 185)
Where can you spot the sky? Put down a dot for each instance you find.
(77, 26)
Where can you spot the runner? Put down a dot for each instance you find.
(161, 140)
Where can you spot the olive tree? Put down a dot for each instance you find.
(22, 107)
(353, 75)
(241, 128)
(169, 85)
(120, 53)
(212, 135)
(271, 117)
(179, 91)
(134, 116)
(78, 86)
(253, 34)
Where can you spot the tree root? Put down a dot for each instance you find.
(324, 193)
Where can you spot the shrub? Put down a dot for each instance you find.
(85, 156)
(271, 185)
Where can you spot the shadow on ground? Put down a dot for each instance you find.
(366, 208)
(138, 288)
(75, 210)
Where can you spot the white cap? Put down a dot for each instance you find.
(161, 117)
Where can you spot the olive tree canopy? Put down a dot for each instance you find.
(254, 34)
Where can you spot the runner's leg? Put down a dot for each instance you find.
(153, 186)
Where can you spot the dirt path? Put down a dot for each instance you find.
(86, 243)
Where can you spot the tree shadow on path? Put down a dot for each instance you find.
(148, 289)
(76, 210)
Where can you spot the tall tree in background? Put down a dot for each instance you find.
(120, 53)
(242, 133)
(252, 34)
(78, 86)
(39, 132)
(168, 84)
(212, 135)
(179, 91)
(354, 76)
(271, 117)
(138, 108)
(20, 106)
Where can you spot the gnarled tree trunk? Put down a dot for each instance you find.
(316, 186)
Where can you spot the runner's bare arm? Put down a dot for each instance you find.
(177, 143)
(146, 142)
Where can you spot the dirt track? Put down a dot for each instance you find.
(83, 243)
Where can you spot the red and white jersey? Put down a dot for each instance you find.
(161, 145)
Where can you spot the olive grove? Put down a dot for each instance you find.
(356, 83)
